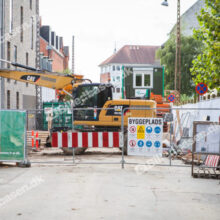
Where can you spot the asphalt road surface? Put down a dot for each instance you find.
(104, 191)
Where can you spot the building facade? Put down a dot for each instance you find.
(121, 69)
(54, 57)
(188, 20)
(53, 52)
(18, 44)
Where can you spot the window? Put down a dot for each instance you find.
(8, 53)
(31, 4)
(21, 24)
(118, 79)
(118, 68)
(139, 80)
(15, 54)
(118, 90)
(17, 100)
(26, 59)
(32, 33)
(10, 16)
(113, 68)
(8, 99)
(143, 79)
(146, 80)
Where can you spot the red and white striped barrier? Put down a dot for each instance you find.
(86, 139)
(212, 161)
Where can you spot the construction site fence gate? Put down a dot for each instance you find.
(178, 137)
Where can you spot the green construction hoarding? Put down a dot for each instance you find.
(12, 135)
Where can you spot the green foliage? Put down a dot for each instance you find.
(190, 48)
(185, 98)
(206, 66)
(67, 72)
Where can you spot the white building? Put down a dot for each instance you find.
(127, 56)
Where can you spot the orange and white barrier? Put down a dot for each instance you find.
(86, 139)
(35, 140)
(32, 139)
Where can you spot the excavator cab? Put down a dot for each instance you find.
(88, 97)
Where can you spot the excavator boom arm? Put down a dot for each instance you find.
(50, 80)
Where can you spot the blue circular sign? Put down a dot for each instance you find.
(157, 130)
(201, 88)
(140, 143)
(157, 144)
(149, 144)
(149, 129)
(171, 98)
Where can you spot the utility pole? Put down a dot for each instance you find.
(177, 79)
(178, 51)
(73, 54)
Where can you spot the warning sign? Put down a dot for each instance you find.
(140, 132)
(145, 136)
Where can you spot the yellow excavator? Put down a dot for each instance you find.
(87, 97)
(94, 108)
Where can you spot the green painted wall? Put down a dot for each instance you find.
(158, 82)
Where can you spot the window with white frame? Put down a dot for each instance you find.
(118, 79)
(143, 78)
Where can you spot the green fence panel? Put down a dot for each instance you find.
(12, 135)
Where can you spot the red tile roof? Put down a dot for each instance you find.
(130, 54)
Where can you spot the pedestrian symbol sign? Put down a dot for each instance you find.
(140, 132)
(157, 144)
(132, 143)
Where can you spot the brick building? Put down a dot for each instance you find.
(53, 51)
(18, 32)
(54, 57)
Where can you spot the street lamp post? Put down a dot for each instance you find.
(178, 49)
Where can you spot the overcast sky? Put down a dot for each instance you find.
(98, 24)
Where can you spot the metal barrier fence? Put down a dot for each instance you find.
(13, 137)
(94, 124)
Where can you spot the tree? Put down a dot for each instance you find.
(206, 66)
(190, 48)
